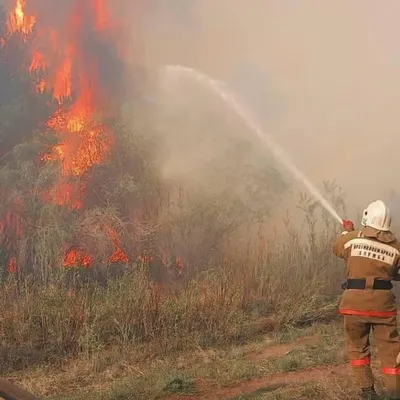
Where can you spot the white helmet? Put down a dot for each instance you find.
(377, 215)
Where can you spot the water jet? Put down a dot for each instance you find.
(224, 93)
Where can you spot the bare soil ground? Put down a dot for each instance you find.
(306, 363)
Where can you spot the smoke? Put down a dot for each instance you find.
(322, 76)
(203, 145)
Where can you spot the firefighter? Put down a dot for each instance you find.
(373, 259)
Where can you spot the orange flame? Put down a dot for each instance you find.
(12, 223)
(76, 258)
(18, 21)
(41, 86)
(66, 194)
(119, 255)
(101, 15)
(84, 142)
(63, 79)
(38, 62)
(12, 265)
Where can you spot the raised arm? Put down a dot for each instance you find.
(348, 233)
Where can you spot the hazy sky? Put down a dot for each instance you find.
(325, 72)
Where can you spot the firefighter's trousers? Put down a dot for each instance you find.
(387, 341)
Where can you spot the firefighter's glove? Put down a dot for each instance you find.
(348, 225)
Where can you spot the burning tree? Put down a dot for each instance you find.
(77, 188)
(52, 177)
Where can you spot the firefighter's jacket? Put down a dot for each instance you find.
(369, 254)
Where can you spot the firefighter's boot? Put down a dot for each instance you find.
(369, 394)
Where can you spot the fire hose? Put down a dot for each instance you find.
(9, 391)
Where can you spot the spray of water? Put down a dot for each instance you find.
(222, 91)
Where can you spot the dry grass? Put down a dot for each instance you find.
(45, 323)
(303, 363)
(282, 285)
(124, 372)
